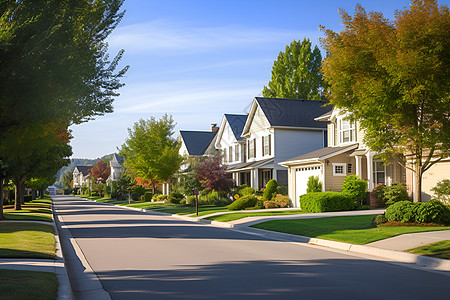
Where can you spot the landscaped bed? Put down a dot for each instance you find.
(236, 216)
(26, 240)
(439, 249)
(351, 229)
(17, 284)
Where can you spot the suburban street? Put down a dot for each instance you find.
(142, 256)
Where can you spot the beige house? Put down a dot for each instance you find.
(345, 155)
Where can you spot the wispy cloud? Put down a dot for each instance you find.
(162, 35)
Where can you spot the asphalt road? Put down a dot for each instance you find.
(141, 256)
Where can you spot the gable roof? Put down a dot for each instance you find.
(237, 123)
(83, 169)
(293, 113)
(197, 142)
(116, 161)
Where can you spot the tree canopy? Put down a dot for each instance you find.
(296, 73)
(212, 174)
(100, 171)
(393, 77)
(150, 151)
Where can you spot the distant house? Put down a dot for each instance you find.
(80, 175)
(275, 130)
(52, 190)
(116, 167)
(345, 155)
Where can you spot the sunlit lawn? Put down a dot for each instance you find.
(26, 240)
(28, 285)
(240, 215)
(353, 229)
(36, 210)
(439, 249)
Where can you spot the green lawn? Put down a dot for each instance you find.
(240, 215)
(27, 285)
(439, 249)
(202, 210)
(37, 210)
(354, 229)
(26, 240)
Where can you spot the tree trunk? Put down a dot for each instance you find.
(1, 198)
(19, 191)
(417, 194)
(33, 194)
(41, 194)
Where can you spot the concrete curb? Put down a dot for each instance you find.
(92, 288)
(404, 257)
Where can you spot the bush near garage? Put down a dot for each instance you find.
(243, 202)
(432, 211)
(282, 200)
(326, 201)
(395, 193)
(271, 204)
(356, 188)
(313, 185)
(271, 188)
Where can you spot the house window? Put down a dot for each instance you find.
(251, 148)
(230, 154)
(266, 145)
(339, 169)
(349, 168)
(225, 155)
(346, 131)
(236, 153)
(379, 172)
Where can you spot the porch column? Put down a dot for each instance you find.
(370, 178)
(255, 179)
(358, 166)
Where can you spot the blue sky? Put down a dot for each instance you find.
(197, 60)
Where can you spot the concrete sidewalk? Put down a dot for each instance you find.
(411, 240)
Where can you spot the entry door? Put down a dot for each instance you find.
(301, 178)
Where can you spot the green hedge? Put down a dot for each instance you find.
(356, 188)
(422, 212)
(243, 202)
(271, 188)
(326, 201)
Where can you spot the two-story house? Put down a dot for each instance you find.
(345, 155)
(80, 175)
(116, 167)
(275, 130)
(232, 145)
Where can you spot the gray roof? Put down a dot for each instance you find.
(116, 161)
(321, 153)
(248, 165)
(293, 112)
(197, 141)
(236, 123)
(84, 169)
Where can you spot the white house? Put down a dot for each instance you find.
(275, 130)
(116, 167)
(80, 175)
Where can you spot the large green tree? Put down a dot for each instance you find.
(296, 74)
(393, 77)
(150, 151)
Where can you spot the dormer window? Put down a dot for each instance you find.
(346, 131)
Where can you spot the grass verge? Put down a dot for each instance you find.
(26, 240)
(353, 229)
(28, 285)
(439, 249)
(36, 210)
(240, 215)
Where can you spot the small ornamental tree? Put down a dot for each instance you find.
(211, 174)
(271, 188)
(313, 185)
(100, 171)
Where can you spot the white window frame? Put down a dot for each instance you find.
(251, 148)
(266, 146)
(344, 169)
(350, 128)
(230, 154)
(236, 152)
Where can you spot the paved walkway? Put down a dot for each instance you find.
(411, 240)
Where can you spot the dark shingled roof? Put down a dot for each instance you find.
(293, 112)
(84, 169)
(237, 123)
(197, 141)
(322, 152)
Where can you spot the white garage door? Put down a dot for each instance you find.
(301, 179)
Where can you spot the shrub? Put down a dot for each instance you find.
(148, 196)
(259, 204)
(243, 202)
(378, 219)
(221, 202)
(175, 198)
(271, 188)
(155, 197)
(313, 185)
(356, 188)
(247, 191)
(442, 191)
(271, 204)
(27, 198)
(282, 201)
(282, 189)
(162, 197)
(395, 193)
(402, 211)
(190, 200)
(326, 201)
(259, 193)
(212, 197)
(432, 211)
